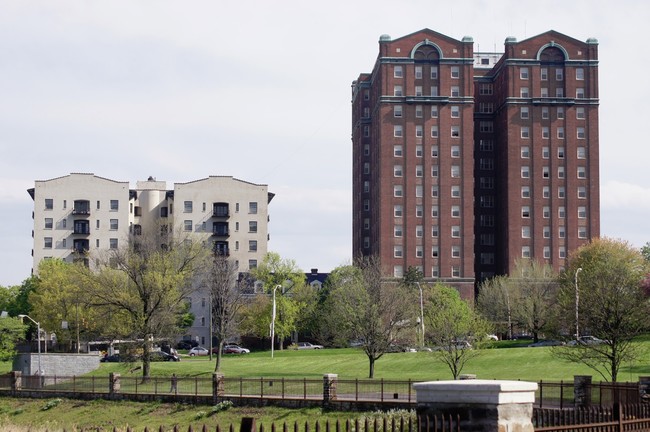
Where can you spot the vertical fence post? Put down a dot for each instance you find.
(582, 391)
(329, 388)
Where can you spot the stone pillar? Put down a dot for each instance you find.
(218, 386)
(16, 380)
(329, 388)
(114, 383)
(481, 405)
(582, 391)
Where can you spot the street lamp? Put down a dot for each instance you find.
(421, 313)
(273, 319)
(38, 329)
(578, 270)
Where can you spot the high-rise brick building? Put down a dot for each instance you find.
(464, 162)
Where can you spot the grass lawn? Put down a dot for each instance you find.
(514, 363)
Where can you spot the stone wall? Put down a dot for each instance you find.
(56, 363)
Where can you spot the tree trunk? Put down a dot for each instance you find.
(217, 366)
(371, 373)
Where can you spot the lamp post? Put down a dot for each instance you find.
(421, 313)
(273, 320)
(38, 329)
(578, 270)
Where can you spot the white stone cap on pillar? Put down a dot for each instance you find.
(330, 375)
(476, 391)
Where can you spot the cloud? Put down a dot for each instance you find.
(617, 195)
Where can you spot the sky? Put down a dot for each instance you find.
(261, 90)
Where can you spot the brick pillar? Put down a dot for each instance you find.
(114, 383)
(481, 405)
(582, 391)
(16, 380)
(218, 386)
(329, 388)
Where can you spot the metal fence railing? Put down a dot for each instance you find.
(562, 394)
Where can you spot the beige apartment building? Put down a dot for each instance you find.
(80, 216)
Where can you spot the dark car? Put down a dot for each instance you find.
(186, 344)
(163, 356)
(115, 358)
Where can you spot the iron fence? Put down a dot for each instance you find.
(562, 394)
(618, 418)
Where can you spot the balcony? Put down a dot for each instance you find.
(81, 246)
(221, 248)
(220, 210)
(81, 227)
(220, 229)
(81, 208)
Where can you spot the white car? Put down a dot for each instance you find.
(307, 345)
(198, 351)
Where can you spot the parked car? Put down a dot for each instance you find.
(163, 356)
(492, 337)
(198, 351)
(235, 349)
(115, 358)
(543, 343)
(186, 344)
(586, 340)
(307, 345)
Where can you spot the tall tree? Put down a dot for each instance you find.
(611, 301)
(145, 283)
(496, 301)
(280, 277)
(537, 286)
(11, 330)
(373, 310)
(452, 324)
(226, 299)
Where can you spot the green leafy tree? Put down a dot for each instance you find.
(284, 277)
(612, 304)
(15, 299)
(144, 286)
(11, 331)
(496, 301)
(374, 311)
(645, 251)
(453, 326)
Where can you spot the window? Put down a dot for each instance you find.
(434, 151)
(398, 72)
(559, 74)
(49, 204)
(455, 72)
(546, 192)
(366, 112)
(455, 171)
(582, 192)
(523, 112)
(397, 152)
(418, 131)
(525, 172)
(434, 211)
(546, 153)
(419, 231)
(580, 113)
(546, 232)
(486, 126)
(523, 92)
(560, 112)
(418, 111)
(525, 251)
(455, 191)
(486, 164)
(366, 186)
(419, 211)
(419, 191)
(418, 171)
(98, 204)
(113, 224)
(434, 72)
(582, 232)
(434, 231)
(562, 252)
(435, 271)
(525, 152)
(523, 73)
(115, 205)
(546, 172)
(434, 191)
(397, 170)
(455, 131)
(455, 251)
(112, 243)
(580, 93)
(455, 211)
(525, 191)
(559, 92)
(455, 111)
(418, 91)
(366, 223)
(434, 171)
(397, 130)
(486, 107)
(49, 223)
(487, 201)
(525, 232)
(252, 245)
(434, 91)
(187, 225)
(398, 271)
(397, 251)
(366, 168)
(252, 263)
(47, 242)
(455, 91)
(434, 251)
(434, 131)
(252, 207)
(366, 205)
(418, 72)
(485, 89)
(487, 239)
(525, 212)
(561, 212)
(580, 74)
(397, 230)
(455, 231)
(560, 152)
(581, 153)
(561, 232)
(561, 192)
(560, 172)
(434, 111)
(455, 272)
(486, 145)
(582, 173)
(366, 242)
(547, 252)
(366, 131)
(397, 190)
(582, 212)
(543, 74)
(252, 226)
(397, 111)
(455, 151)
(580, 133)
(397, 90)
(525, 132)
(486, 182)
(546, 212)
(487, 220)
(419, 152)
(544, 92)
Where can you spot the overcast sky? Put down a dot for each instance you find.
(260, 90)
